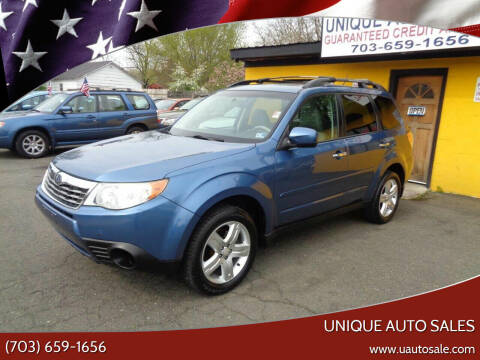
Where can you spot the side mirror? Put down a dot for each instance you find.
(303, 137)
(65, 110)
(27, 107)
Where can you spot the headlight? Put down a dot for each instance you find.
(2, 124)
(117, 196)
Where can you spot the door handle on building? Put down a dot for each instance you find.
(339, 155)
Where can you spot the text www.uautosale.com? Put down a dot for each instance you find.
(420, 349)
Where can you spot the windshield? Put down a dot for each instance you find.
(164, 104)
(51, 103)
(191, 104)
(234, 116)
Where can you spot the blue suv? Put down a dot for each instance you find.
(72, 119)
(233, 171)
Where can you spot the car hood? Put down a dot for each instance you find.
(141, 157)
(5, 116)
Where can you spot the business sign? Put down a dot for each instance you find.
(477, 92)
(416, 111)
(356, 37)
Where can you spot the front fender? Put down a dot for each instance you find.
(214, 190)
(13, 133)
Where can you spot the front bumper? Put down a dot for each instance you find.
(5, 141)
(158, 229)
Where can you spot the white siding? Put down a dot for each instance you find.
(109, 77)
(67, 85)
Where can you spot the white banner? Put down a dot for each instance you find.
(353, 37)
(443, 14)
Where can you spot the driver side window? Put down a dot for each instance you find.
(83, 104)
(318, 113)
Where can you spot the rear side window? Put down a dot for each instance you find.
(111, 102)
(139, 102)
(359, 114)
(389, 113)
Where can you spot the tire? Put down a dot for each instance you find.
(135, 129)
(381, 212)
(210, 265)
(32, 144)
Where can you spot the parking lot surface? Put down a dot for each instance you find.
(342, 263)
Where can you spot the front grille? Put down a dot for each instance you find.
(66, 189)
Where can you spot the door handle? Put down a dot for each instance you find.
(339, 155)
(91, 117)
(384, 145)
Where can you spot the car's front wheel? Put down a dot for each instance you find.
(384, 204)
(221, 251)
(32, 144)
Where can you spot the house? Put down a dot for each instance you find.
(433, 74)
(100, 74)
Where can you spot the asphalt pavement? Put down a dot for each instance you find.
(327, 266)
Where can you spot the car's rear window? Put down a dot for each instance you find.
(389, 113)
(139, 102)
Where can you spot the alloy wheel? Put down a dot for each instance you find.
(226, 252)
(33, 145)
(388, 198)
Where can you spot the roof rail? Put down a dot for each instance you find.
(278, 79)
(312, 81)
(363, 83)
(97, 88)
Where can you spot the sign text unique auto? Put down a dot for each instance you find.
(356, 37)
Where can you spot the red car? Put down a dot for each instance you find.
(170, 104)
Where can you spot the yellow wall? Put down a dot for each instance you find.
(456, 167)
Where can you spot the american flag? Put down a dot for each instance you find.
(40, 39)
(85, 89)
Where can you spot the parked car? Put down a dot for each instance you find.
(233, 171)
(72, 119)
(169, 118)
(27, 102)
(164, 105)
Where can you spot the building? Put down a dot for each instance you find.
(100, 74)
(434, 75)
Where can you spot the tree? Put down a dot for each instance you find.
(197, 53)
(289, 30)
(146, 60)
(225, 74)
(186, 82)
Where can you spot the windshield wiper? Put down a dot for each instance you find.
(206, 138)
(35, 110)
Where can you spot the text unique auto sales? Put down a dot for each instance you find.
(399, 326)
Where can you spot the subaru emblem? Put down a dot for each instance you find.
(58, 178)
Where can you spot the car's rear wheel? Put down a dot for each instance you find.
(384, 204)
(135, 129)
(32, 144)
(221, 251)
